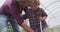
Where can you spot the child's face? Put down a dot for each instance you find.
(34, 6)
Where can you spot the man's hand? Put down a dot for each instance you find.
(27, 28)
(42, 18)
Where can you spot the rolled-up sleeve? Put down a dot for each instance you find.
(43, 12)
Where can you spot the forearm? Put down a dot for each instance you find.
(27, 28)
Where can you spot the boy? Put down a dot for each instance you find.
(35, 15)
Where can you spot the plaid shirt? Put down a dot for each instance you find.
(34, 18)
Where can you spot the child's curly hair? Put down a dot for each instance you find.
(34, 3)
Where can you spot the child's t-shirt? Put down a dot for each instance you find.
(34, 18)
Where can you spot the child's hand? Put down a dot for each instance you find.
(42, 18)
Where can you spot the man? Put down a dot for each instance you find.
(10, 9)
(22, 6)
